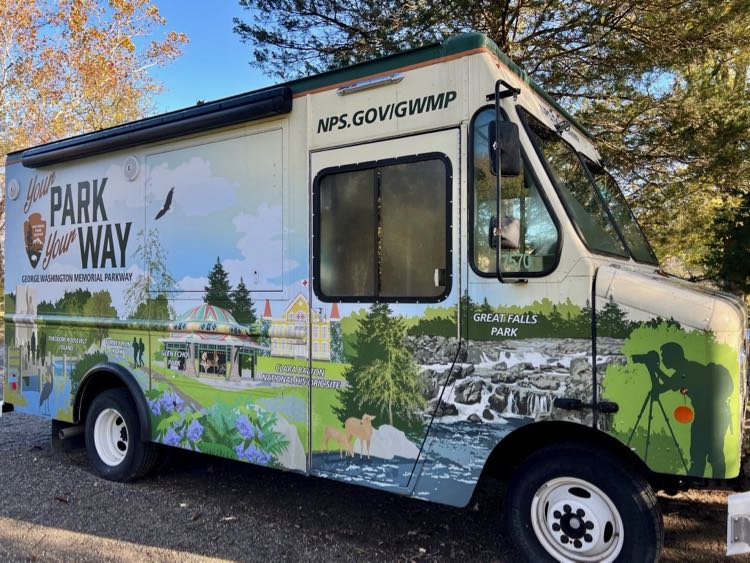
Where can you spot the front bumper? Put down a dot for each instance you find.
(738, 524)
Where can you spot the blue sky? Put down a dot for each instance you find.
(215, 63)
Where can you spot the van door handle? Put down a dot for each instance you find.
(440, 277)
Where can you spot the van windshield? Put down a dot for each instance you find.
(621, 213)
(580, 197)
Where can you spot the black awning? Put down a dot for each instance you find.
(228, 111)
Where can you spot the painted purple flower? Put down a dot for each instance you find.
(239, 451)
(255, 455)
(194, 431)
(245, 428)
(155, 407)
(171, 438)
(166, 401)
(251, 452)
(171, 402)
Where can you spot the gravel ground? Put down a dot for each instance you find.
(200, 508)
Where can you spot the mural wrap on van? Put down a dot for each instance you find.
(236, 361)
(236, 390)
(678, 392)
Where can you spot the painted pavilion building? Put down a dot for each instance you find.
(208, 342)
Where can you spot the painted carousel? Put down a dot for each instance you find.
(208, 342)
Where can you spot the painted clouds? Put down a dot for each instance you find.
(226, 205)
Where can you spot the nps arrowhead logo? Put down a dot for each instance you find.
(35, 232)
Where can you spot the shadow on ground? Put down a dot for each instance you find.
(197, 505)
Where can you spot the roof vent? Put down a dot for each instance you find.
(370, 83)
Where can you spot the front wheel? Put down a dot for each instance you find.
(113, 442)
(576, 503)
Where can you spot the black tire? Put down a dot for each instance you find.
(632, 497)
(140, 457)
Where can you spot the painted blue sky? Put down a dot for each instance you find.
(215, 63)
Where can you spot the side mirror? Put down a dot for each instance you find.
(505, 136)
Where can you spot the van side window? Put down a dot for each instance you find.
(530, 241)
(381, 231)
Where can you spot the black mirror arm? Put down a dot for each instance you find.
(498, 178)
(507, 93)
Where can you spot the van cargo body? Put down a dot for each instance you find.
(329, 277)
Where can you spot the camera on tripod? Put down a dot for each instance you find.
(650, 359)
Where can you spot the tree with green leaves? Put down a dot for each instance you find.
(154, 308)
(45, 308)
(264, 340)
(438, 326)
(42, 346)
(485, 307)
(556, 322)
(68, 67)
(581, 325)
(99, 306)
(72, 302)
(337, 343)
(728, 259)
(243, 309)
(663, 87)
(468, 308)
(612, 321)
(383, 378)
(148, 297)
(218, 290)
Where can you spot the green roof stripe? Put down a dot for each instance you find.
(451, 46)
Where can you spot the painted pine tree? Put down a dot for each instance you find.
(383, 377)
(612, 321)
(556, 321)
(218, 290)
(243, 309)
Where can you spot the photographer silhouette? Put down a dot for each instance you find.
(709, 388)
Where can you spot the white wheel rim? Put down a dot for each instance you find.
(111, 437)
(576, 521)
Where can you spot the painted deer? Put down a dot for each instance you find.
(330, 433)
(362, 429)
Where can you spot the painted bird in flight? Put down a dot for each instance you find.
(167, 205)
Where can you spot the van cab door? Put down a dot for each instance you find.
(517, 318)
(385, 288)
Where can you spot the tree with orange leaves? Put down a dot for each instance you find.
(71, 66)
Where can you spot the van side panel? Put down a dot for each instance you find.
(676, 373)
(70, 240)
(162, 259)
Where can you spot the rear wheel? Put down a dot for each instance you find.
(113, 441)
(576, 503)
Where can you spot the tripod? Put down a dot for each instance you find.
(650, 399)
